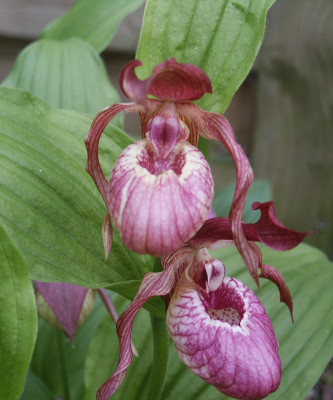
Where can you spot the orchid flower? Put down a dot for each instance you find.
(161, 188)
(219, 327)
(159, 196)
(221, 331)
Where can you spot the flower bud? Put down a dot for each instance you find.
(64, 306)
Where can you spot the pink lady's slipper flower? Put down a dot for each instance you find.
(161, 188)
(219, 327)
(222, 332)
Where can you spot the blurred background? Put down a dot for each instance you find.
(282, 114)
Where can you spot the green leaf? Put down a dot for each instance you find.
(66, 74)
(93, 21)
(305, 346)
(56, 362)
(35, 388)
(18, 319)
(49, 203)
(220, 36)
(260, 190)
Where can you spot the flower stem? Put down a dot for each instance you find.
(108, 304)
(161, 352)
(160, 360)
(63, 367)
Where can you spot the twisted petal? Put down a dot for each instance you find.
(270, 273)
(158, 205)
(169, 80)
(153, 284)
(226, 338)
(271, 232)
(100, 122)
(215, 126)
(267, 230)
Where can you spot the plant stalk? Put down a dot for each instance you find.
(63, 368)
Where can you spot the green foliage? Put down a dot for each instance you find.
(35, 388)
(18, 319)
(93, 21)
(259, 191)
(221, 37)
(66, 74)
(49, 203)
(67, 366)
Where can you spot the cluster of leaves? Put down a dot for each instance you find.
(51, 212)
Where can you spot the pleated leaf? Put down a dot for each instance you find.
(18, 319)
(48, 202)
(220, 36)
(305, 346)
(93, 21)
(66, 74)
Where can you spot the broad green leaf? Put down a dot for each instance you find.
(93, 21)
(18, 319)
(35, 388)
(259, 191)
(305, 346)
(220, 36)
(66, 74)
(49, 203)
(55, 359)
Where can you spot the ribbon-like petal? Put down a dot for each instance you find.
(270, 273)
(267, 230)
(153, 284)
(215, 126)
(100, 122)
(272, 232)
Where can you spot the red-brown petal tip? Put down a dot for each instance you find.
(131, 85)
(169, 80)
(272, 233)
(175, 81)
(274, 276)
